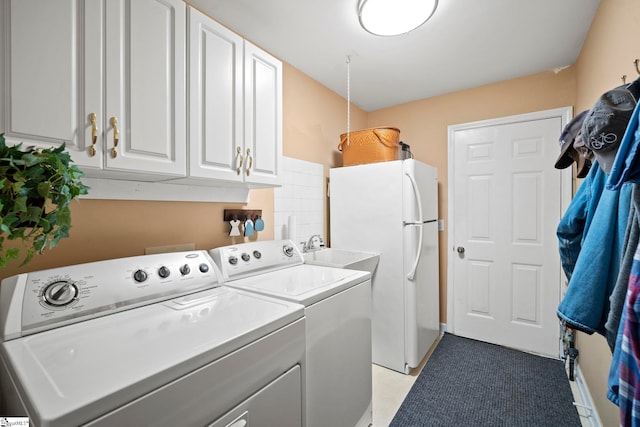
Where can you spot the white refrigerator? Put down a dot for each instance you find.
(391, 208)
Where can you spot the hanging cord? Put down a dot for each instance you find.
(348, 100)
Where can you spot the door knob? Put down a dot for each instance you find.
(460, 250)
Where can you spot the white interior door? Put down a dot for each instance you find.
(505, 204)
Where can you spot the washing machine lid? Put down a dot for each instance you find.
(304, 284)
(76, 372)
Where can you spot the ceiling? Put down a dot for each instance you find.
(465, 44)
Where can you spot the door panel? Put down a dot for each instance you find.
(43, 70)
(215, 104)
(506, 206)
(263, 116)
(145, 81)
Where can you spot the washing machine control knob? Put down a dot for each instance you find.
(185, 269)
(245, 257)
(288, 250)
(60, 293)
(257, 254)
(233, 260)
(203, 268)
(164, 272)
(140, 276)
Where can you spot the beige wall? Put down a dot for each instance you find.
(103, 229)
(314, 117)
(607, 54)
(424, 125)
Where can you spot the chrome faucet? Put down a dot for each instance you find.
(314, 243)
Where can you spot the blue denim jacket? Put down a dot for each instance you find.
(626, 169)
(626, 166)
(576, 221)
(585, 305)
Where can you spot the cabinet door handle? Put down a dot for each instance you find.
(250, 165)
(240, 161)
(116, 136)
(94, 134)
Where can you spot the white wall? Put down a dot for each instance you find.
(300, 199)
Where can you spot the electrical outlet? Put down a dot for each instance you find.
(170, 248)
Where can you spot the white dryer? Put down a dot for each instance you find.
(147, 340)
(337, 302)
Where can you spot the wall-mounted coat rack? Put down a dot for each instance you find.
(636, 62)
(242, 214)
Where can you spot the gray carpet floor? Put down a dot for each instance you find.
(471, 383)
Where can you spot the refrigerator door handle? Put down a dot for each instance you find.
(416, 192)
(418, 222)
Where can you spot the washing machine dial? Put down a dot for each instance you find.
(185, 269)
(257, 254)
(60, 293)
(233, 260)
(203, 268)
(245, 257)
(288, 250)
(164, 272)
(140, 276)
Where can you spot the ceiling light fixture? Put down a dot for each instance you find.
(394, 17)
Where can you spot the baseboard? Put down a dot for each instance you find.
(585, 407)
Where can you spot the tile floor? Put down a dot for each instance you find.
(389, 390)
(391, 387)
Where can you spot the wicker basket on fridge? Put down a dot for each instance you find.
(372, 145)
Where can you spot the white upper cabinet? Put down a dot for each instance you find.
(107, 78)
(146, 87)
(263, 116)
(42, 62)
(215, 100)
(235, 108)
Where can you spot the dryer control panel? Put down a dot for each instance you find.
(41, 300)
(248, 259)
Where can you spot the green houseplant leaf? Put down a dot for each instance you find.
(37, 186)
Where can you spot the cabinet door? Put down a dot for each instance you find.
(43, 61)
(263, 117)
(215, 100)
(145, 86)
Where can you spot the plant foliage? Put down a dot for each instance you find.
(36, 187)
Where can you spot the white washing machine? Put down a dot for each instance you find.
(337, 302)
(148, 340)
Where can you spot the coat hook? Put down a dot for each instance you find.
(624, 79)
(636, 64)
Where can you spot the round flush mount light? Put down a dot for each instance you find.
(394, 17)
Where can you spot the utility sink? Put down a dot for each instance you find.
(342, 258)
